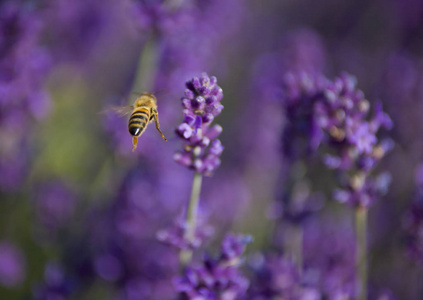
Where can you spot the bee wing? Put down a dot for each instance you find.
(120, 110)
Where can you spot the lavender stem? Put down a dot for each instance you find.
(192, 211)
(361, 251)
(147, 67)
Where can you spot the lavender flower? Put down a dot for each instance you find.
(176, 235)
(180, 39)
(12, 265)
(343, 117)
(301, 92)
(124, 251)
(276, 277)
(413, 221)
(331, 264)
(336, 114)
(24, 65)
(216, 278)
(82, 28)
(201, 105)
(297, 206)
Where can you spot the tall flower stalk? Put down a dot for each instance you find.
(343, 115)
(301, 140)
(340, 128)
(201, 149)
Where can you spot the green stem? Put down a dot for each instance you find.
(361, 251)
(147, 67)
(186, 255)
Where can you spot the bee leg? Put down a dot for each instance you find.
(155, 114)
(135, 141)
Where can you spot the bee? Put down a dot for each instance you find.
(142, 112)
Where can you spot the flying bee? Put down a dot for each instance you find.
(142, 112)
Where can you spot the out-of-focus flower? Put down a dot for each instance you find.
(276, 277)
(286, 82)
(12, 265)
(297, 206)
(108, 267)
(400, 87)
(24, 65)
(413, 221)
(56, 285)
(300, 51)
(124, 251)
(201, 104)
(335, 114)
(55, 205)
(331, 264)
(302, 134)
(187, 35)
(343, 114)
(216, 278)
(175, 235)
(80, 30)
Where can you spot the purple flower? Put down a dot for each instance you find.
(233, 246)
(301, 94)
(79, 30)
(175, 235)
(331, 264)
(352, 136)
(343, 115)
(216, 278)
(124, 252)
(187, 35)
(202, 98)
(201, 105)
(55, 205)
(413, 222)
(108, 267)
(363, 191)
(12, 265)
(24, 65)
(335, 114)
(297, 206)
(276, 277)
(57, 285)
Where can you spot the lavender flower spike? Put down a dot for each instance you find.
(201, 105)
(216, 278)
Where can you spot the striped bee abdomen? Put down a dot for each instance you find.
(138, 121)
